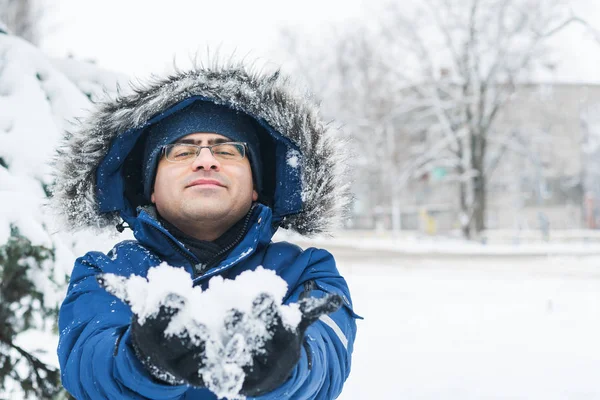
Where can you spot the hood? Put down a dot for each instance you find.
(97, 165)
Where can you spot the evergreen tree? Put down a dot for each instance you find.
(23, 307)
(41, 98)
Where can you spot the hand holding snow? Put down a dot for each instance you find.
(145, 295)
(230, 320)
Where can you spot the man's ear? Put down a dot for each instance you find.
(254, 195)
(152, 198)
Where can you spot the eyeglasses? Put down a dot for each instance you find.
(185, 152)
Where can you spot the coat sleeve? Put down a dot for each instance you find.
(96, 358)
(326, 356)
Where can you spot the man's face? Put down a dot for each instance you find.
(205, 190)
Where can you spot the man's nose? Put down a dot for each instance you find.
(206, 161)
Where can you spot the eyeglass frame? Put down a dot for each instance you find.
(199, 150)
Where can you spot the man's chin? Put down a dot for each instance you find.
(205, 197)
(206, 207)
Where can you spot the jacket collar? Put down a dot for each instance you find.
(154, 236)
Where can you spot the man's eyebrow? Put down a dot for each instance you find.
(210, 141)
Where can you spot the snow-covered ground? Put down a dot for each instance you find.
(495, 243)
(474, 328)
(462, 327)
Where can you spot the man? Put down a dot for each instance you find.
(204, 166)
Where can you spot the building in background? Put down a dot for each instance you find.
(548, 176)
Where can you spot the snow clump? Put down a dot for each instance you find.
(227, 315)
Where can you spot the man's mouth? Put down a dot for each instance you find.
(205, 182)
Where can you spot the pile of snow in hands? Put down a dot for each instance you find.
(208, 315)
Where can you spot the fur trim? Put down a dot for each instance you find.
(269, 96)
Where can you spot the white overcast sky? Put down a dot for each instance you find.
(139, 37)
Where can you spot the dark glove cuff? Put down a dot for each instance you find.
(276, 371)
(159, 375)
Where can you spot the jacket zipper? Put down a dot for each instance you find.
(192, 260)
(175, 247)
(243, 232)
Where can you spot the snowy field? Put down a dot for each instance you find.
(474, 327)
(461, 325)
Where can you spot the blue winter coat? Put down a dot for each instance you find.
(94, 182)
(96, 357)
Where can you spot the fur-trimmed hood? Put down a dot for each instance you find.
(96, 166)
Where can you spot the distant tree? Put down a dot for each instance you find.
(424, 83)
(22, 18)
(344, 71)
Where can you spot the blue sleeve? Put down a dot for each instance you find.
(326, 356)
(95, 354)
